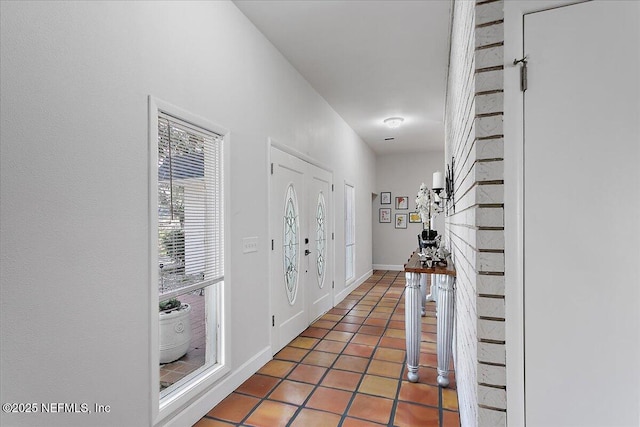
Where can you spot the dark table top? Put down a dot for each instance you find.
(415, 266)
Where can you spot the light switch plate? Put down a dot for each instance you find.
(249, 244)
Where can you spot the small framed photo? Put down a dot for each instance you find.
(401, 220)
(385, 198)
(402, 202)
(414, 217)
(384, 215)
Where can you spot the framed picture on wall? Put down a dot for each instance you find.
(384, 215)
(402, 202)
(414, 217)
(385, 198)
(401, 220)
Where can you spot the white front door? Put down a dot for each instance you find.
(582, 215)
(301, 258)
(320, 267)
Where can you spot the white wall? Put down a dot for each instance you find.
(75, 77)
(401, 174)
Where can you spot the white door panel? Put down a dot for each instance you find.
(582, 215)
(288, 221)
(320, 297)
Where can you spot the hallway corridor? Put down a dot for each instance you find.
(347, 369)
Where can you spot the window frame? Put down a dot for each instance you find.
(162, 409)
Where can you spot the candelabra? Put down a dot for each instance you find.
(430, 203)
(443, 189)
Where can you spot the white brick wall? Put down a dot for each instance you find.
(475, 231)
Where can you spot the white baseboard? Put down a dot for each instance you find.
(390, 267)
(347, 290)
(198, 409)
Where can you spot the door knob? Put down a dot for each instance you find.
(307, 252)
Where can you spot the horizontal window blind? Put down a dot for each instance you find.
(190, 207)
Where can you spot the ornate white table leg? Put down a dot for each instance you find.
(433, 289)
(445, 307)
(412, 324)
(423, 294)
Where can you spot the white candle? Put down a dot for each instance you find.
(438, 181)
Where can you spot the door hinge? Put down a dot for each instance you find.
(332, 187)
(271, 168)
(272, 244)
(523, 72)
(273, 321)
(333, 236)
(333, 284)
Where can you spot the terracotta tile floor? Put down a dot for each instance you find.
(347, 369)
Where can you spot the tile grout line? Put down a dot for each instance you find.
(440, 403)
(394, 408)
(329, 368)
(380, 294)
(355, 391)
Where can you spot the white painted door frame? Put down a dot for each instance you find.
(322, 173)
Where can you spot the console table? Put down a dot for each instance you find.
(443, 292)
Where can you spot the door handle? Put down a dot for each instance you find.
(307, 252)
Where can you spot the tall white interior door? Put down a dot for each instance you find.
(582, 215)
(301, 258)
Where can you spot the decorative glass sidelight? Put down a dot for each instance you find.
(321, 239)
(291, 243)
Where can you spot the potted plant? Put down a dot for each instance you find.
(175, 330)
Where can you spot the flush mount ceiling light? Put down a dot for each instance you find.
(393, 122)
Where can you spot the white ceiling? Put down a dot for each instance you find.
(370, 60)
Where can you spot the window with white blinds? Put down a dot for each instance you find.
(190, 207)
(349, 231)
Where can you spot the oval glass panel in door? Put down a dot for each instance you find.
(321, 239)
(291, 243)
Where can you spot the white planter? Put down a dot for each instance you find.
(175, 333)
